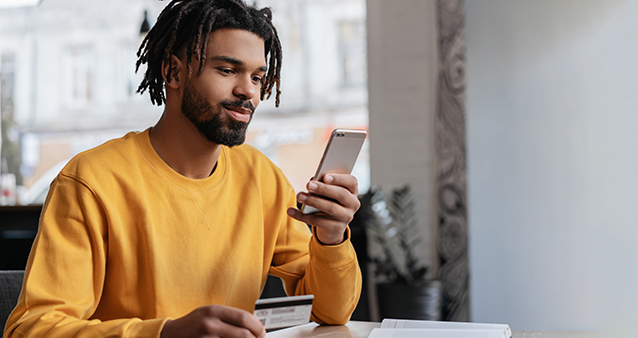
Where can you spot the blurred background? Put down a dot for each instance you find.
(69, 84)
(541, 231)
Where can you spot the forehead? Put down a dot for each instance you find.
(238, 44)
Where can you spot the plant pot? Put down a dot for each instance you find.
(402, 301)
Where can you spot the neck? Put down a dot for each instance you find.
(178, 142)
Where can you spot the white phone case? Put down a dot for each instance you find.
(339, 157)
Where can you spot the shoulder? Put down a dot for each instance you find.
(111, 155)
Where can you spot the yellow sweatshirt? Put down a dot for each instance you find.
(126, 243)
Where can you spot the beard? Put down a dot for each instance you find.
(211, 121)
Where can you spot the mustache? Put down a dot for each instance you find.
(238, 104)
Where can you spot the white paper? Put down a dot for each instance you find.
(434, 333)
(503, 330)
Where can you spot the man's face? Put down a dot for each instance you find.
(211, 121)
(221, 100)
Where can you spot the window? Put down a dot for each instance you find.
(352, 53)
(79, 72)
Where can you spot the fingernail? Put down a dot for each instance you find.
(312, 186)
(291, 212)
(328, 179)
(301, 198)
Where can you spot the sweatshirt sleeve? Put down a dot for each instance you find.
(65, 272)
(329, 272)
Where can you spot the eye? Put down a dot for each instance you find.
(257, 79)
(225, 71)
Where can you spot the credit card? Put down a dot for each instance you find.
(281, 312)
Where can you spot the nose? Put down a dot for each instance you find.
(245, 88)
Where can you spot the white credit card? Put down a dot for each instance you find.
(281, 312)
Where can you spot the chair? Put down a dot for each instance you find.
(10, 286)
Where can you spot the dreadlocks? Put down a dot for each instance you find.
(184, 25)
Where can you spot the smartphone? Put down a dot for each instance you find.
(339, 156)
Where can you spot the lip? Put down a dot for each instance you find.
(239, 114)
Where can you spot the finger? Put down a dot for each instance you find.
(215, 327)
(326, 206)
(336, 193)
(333, 223)
(319, 220)
(328, 231)
(343, 180)
(238, 318)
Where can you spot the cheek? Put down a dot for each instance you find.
(214, 90)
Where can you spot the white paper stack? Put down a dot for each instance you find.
(399, 328)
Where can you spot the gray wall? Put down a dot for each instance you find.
(552, 121)
(402, 71)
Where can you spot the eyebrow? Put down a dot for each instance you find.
(234, 61)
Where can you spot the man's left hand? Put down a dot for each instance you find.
(336, 199)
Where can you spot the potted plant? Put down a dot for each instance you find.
(403, 291)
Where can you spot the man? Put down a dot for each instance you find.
(172, 232)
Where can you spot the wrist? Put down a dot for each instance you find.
(330, 239)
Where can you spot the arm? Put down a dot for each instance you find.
(65, 272)
(65, 278)
(332, 273)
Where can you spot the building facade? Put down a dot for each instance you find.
(69, 83)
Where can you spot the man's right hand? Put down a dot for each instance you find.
(215, 321)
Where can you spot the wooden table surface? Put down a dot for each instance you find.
(356, 329)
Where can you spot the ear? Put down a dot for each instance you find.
(177, 72)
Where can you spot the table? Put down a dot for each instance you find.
(355, 329)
